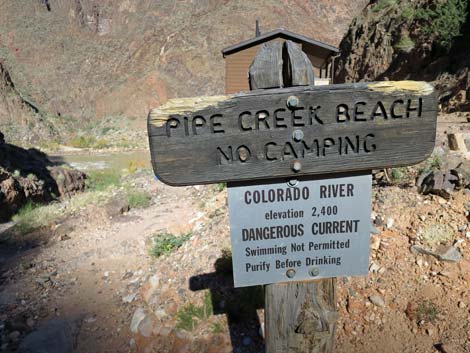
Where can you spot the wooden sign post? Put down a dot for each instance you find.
(298, 316)
(286, 129)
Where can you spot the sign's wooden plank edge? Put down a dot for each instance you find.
(158, 116)
(257, 180)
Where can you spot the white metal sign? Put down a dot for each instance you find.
(314, 229)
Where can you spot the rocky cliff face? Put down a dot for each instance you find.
(88, 58)
(396, 40)
(18, 115)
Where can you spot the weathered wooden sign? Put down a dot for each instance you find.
(290, 132)
(315, 229)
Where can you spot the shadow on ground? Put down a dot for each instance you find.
(239, 304)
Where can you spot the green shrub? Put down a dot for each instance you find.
(106, 129)
(408, 13)
(138, 199)
(83, 141)
(25, 218)
(101, 143)
(216, 327)
(133, 166)
(165, 243)
(405, 44)
(188, 317)
(220, 187)
(383, 4)
(397, 174)
(443, 20)
(32, 216)
(427, 311)
(432, 164)
(49, 145)
(100, 180)
(89, 142)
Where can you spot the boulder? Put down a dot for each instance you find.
(116, 206)
(12, 196)
(28, 175)
(463, 173)
(440, 183)
(69, 181)
(457, 142)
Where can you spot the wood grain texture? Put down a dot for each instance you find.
(266, 69)
(190, 154)
(300, 316)
(298, 65)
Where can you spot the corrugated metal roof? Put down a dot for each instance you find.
(280, 32)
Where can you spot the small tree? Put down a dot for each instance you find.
(443, 20)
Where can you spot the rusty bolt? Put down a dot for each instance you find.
(298, 135)
(296, 166)
(290, 273)
(292, 101)
(243, 154)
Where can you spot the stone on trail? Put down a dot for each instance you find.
(463, 173)
(377, 300)
(448, 254)
(137, 318)
(390, 222)
(441, 183)
(129, 298)
(146, 326)
(56, 336)
(116, 206)
(457, 142)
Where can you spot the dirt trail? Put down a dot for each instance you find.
(95, 275)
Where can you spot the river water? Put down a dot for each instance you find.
(103, 160)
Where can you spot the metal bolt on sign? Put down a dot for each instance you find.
(292, 183)
(292, 101)
(298, 135)
(313, 271)
(243, 154)
(296, 166)
(290, 273)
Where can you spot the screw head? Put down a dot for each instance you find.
(290, 273)
(313, 271)
(296, 166)
(298, 135)
(292, 101)
(292, 182)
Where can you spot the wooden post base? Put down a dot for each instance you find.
(300, 317)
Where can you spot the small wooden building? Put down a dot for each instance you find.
(238, 58)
